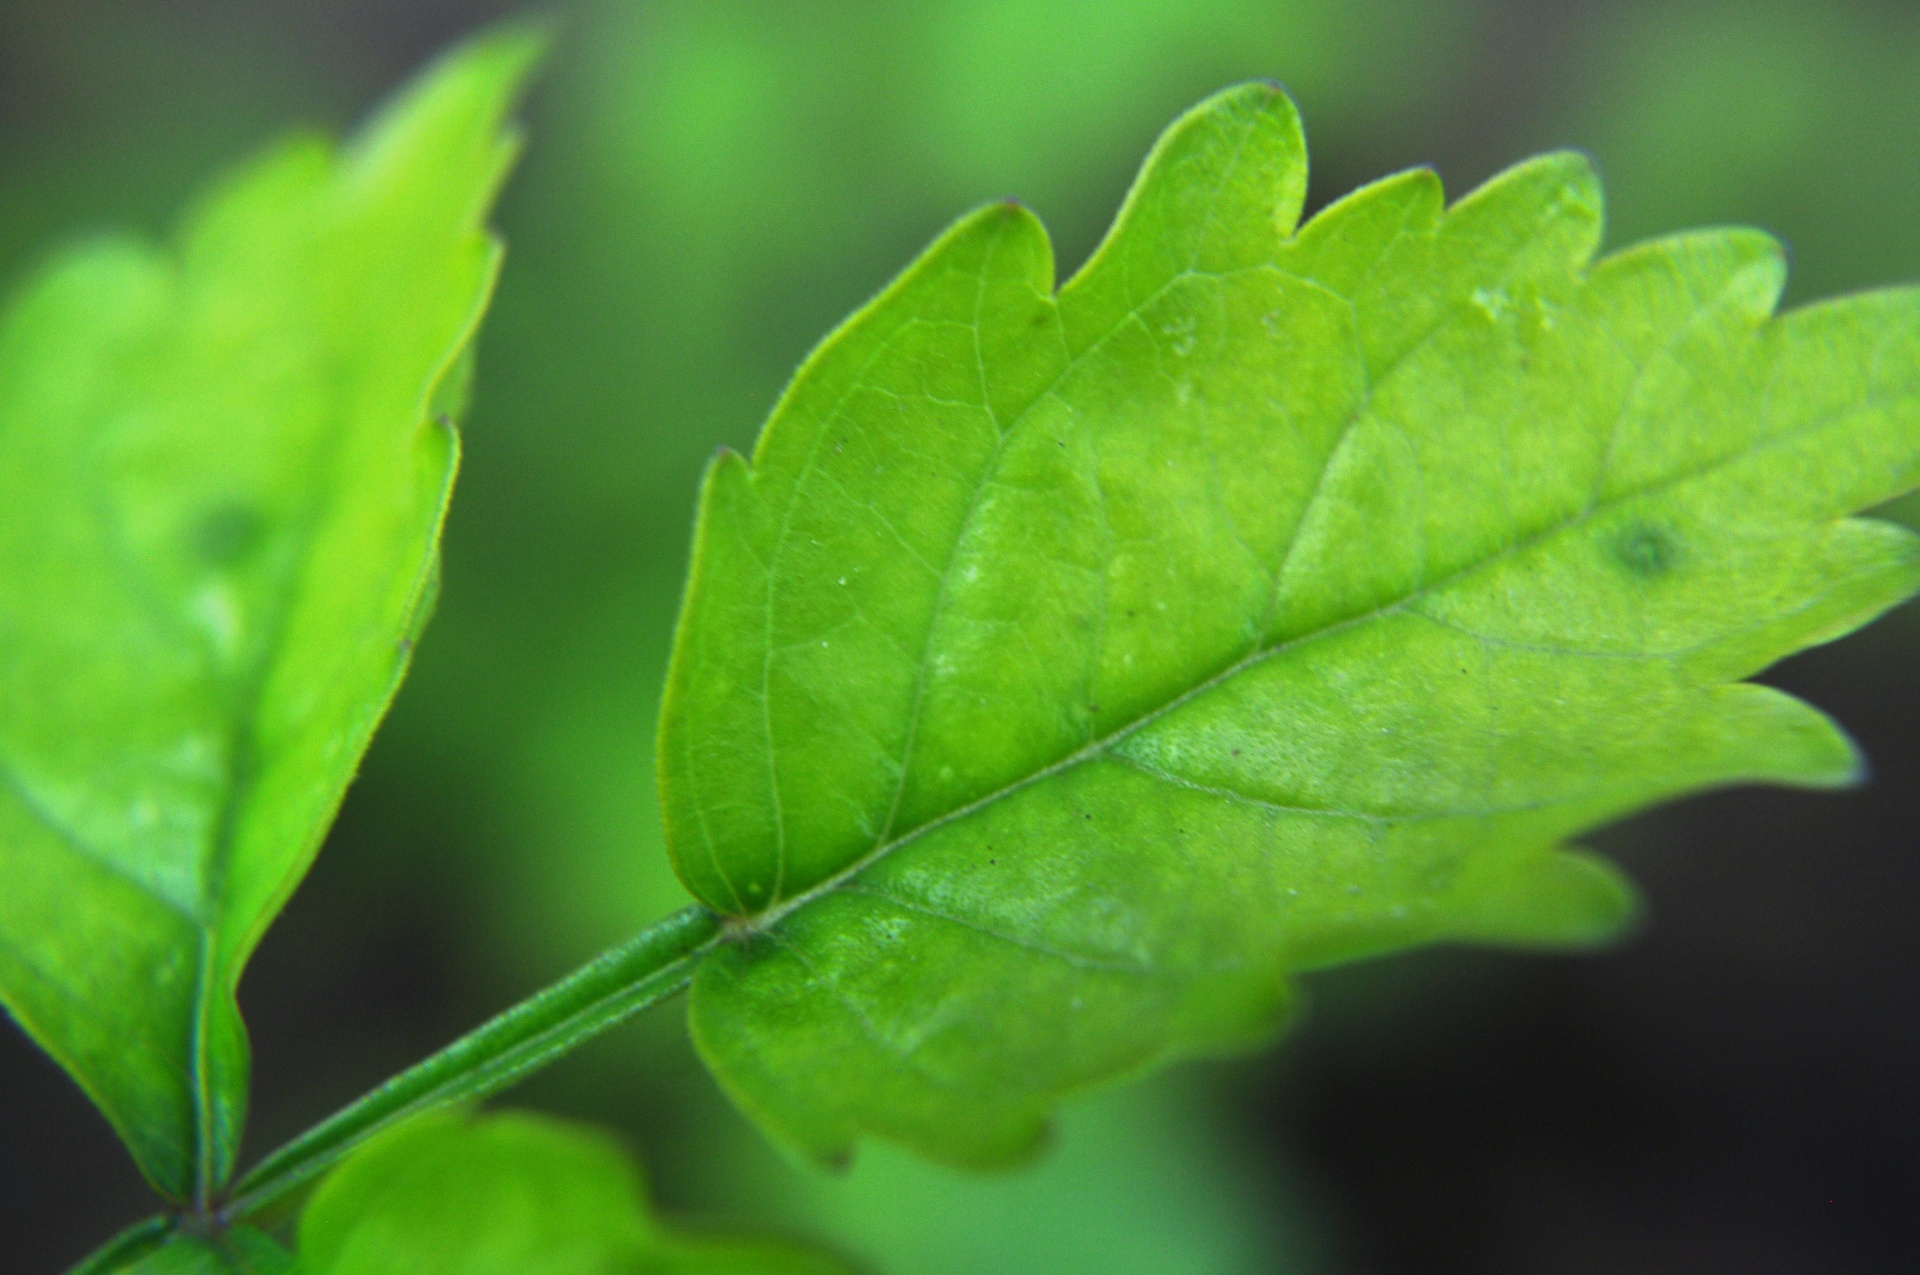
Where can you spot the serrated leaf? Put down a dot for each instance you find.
(1066, 669)
(511, 1194)
(223, 491)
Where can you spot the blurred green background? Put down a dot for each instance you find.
(711, 185)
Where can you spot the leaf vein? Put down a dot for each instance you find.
(1078, 960)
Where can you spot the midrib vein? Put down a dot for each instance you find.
(1073, 361)
(772, 917)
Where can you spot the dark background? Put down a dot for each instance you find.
(710, 186)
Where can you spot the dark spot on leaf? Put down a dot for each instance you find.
(1646, 551)
(226, 534)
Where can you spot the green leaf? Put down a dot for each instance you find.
(1066, 669)
(224, 488)
(239, 1251)
(511, 1194)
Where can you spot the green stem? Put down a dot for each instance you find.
(644, 970)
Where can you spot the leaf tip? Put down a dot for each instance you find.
(1849, 765)
(1559, 899)
(1558, 188)
(1261, 92)
(509, 50)
(463, 97)
(1256, 102)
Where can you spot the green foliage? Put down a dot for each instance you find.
(226, 465)
(1144, 1179)
(510, 1195)
(239, 1251)
(1066, 669)
(1795, 116)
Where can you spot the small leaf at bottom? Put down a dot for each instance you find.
(510, 1194)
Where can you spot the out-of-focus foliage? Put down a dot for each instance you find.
(1144, 1180)
(225, 470)
(510, 1194)
(240, 1251)
(1798, 118)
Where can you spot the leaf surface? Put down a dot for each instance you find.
(240, 1251)
(510, 1194)
(1066, 668)
(225, 465)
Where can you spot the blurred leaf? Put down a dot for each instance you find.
(510, 1194)
(1064, 670)
(1140, 1181)
(1800, 117)
(224, 489)
(717, 182)
(240, 1251)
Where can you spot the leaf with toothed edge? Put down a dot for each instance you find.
(225, 466)
(1065, 669)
